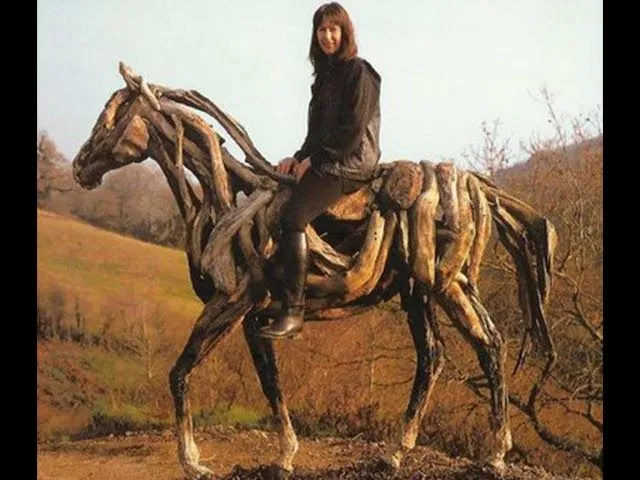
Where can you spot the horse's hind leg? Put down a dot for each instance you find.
(429, 364)
(217, 320)
(264, 361)
(471, 318)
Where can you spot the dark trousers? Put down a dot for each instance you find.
(312, 196)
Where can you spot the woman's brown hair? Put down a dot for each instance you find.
(333, 12)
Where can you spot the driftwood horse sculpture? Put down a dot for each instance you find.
(418, 230)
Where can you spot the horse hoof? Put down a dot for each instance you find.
(276, 472)
(496, 463)
(205, 476)
(389, 465)
(201, 473)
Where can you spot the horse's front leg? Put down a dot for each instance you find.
(217, 320)
(264, 360)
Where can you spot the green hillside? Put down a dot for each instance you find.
(97, 263)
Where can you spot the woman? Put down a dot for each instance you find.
(339, 154)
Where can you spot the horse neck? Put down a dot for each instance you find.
(190, 203)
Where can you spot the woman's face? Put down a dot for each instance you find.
(329, 36)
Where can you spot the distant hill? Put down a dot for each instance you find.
(98, 262)
(571, 156)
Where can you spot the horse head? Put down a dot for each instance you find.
(119, 137)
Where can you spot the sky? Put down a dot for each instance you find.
(446, 65)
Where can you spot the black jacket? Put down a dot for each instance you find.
(344, 120)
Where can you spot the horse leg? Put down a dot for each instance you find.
(217, 320)
(492, 359)
(429, 365)
(264, 360)
(471, 318)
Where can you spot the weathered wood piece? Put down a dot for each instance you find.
(133, 141)
(194, 99)
(403, 236)
(402, 185)
(447, 177)
(363, 265)
(198, 162)
(195, 234)
(136, 82)
(457, 252)
(175, 179)
(108, 115)
(514, 238)
(184, 187)
(390, 222)
(195, 158)
(540, 230)
(259, 290)
(355, 206)
(482, 218)
(325, 254)
(218, 252)
(223, 197)
(422, 237)
(459, 307)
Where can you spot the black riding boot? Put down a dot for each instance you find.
(295, 275)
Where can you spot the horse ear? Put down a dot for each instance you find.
(133, 142)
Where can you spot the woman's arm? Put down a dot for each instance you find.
(308, 146)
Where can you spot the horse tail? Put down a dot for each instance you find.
(531, 240)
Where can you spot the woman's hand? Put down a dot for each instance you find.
(301, 168)
(286, 164)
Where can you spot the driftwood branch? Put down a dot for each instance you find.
(403, 236)
(325, 255)
(482, 219)
(223, 197)
(457, 252)
(176, 181)
(259, 290)
(422, 238)
(229, 224)
(362, 267)
(355, 206)
(194, 99)
(390, 222)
